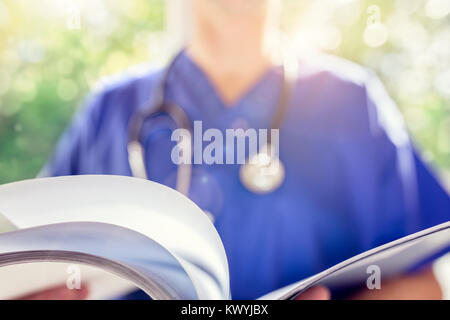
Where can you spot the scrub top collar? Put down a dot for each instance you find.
(190, 86)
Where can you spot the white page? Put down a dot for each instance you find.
(118, 250)
(154, 210)
(392, 258)
(19, 280)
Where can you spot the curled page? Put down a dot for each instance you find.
(148, 265)
(159, 213)
(391, 259)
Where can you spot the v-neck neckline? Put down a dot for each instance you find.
(203, 87)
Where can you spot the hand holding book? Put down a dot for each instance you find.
(176, 251)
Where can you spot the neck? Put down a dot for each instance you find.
(233, 58)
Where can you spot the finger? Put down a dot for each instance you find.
(58, 293)
(315, 293)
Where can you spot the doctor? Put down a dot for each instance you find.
(352, 180)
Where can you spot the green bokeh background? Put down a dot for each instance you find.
(46, 68)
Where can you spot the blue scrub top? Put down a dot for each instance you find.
(353, 179)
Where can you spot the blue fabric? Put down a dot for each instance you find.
(353, 179)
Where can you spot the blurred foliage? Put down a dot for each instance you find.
(52, 52)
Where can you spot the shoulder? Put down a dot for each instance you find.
(107, 109)
(118, 96)
(333, 82)
(346, 97)
(333, 69)
(134, 84)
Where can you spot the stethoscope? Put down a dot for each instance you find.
(262, 173)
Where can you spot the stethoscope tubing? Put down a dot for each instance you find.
(157, 105)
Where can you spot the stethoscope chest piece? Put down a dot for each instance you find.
(262, 173)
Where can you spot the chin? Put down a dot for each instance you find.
(242, 7)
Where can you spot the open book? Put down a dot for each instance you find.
(126, 233)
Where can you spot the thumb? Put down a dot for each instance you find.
(315, 293)
(58, 293)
